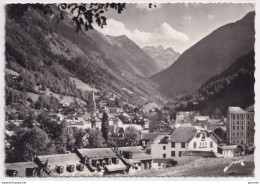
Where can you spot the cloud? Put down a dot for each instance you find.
(146, 6)
(164, 35)
(211, 16)
(188, 18)
(114, 28)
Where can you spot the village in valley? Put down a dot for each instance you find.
(90, 104)
(136, 145)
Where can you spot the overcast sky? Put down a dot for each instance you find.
(172, 25)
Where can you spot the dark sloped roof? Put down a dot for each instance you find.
(163, 160)
(183, 134)
(152, 135)
(199, 153)
(138, 153)
(148, 144)
(97, 152)
(251, 108)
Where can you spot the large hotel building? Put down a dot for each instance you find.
(240, 125)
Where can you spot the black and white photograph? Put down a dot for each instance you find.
(129, 90)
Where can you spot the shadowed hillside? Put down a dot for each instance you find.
(209, 57)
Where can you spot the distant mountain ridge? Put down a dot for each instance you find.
(209, 57)
(132, 55)
(163, 57)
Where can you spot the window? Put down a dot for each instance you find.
(164, 147)
(234, 128)
(237, 141)
(194, 145)
(237, 127)
(242, 116)
(233, 141)
(242, 134)
(248, 134)
(211, 144)
(234, 116)
(242, 127)
(248, 116)
(237, 116)
(237, 122)
(233, 134)
(238, 134)
(242, 142)
(173, 144)
(180, 153)
(164, 155)
(183, 145)
(173, 153)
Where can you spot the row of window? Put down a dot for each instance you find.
(182, 145)
(203, 144)
(234, 127)
(239, 141)
(173, 154)
(242, 134)
(242, 123)
(236, 116)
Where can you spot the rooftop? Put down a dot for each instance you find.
(20, 167)
(97, 152)
(61, 159)
(199, 153)
(183, 134)
(251, 108)
(152, 135)
(229, 147)
(236, 110)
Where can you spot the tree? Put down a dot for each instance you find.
(29, 120)
(132, 136)
(83, 15)
(96, 139)
(81, 138)
(29, 142)
(105, 126)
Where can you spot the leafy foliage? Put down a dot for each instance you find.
(83, 14)
(96, 139)
(132, 136)
(105, 126)
(29, 142)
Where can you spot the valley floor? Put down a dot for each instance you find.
(206, 167)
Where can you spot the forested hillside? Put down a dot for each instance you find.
(233, 87)
(46, 54)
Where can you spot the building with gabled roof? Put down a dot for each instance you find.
(136, 157)
(49, 165)
(184, 138)
(19, 169)
(101, 160)
(64, 165)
